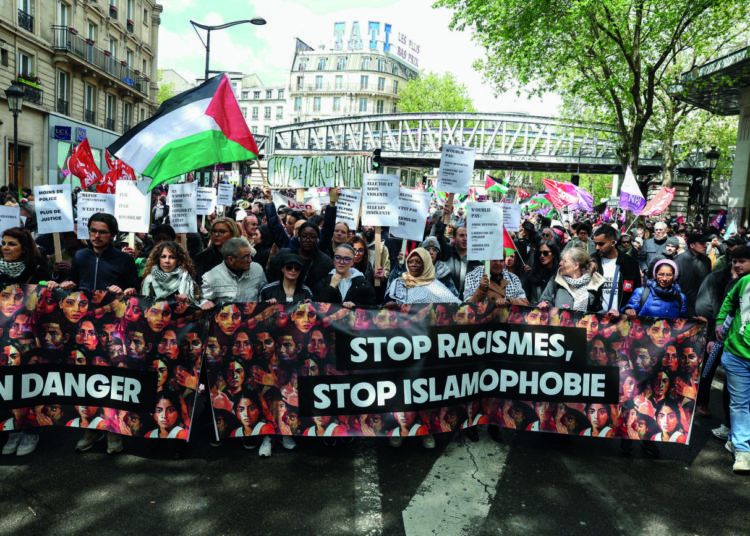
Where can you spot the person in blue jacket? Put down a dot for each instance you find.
(660, 297)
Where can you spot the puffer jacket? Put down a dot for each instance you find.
(559, 294)
(661, 303)
(221, 285)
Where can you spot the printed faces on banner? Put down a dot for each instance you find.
(54, 208)
(132, 206)
(484, 226)
(379, 197)
(88, 360)
(88, 205)
(456, 168)
(183, 214)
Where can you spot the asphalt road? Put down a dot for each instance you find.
(529, 485)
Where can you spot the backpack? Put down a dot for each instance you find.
(647, 292)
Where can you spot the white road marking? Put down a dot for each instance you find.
(456, 495)
(369, 517)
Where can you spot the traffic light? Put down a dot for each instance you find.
(376, 160)
(575, 179)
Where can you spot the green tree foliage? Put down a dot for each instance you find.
(612, 55)
(166, 90)
(433, 93)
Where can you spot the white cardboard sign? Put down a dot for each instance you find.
(413, 210)
(226, 193)
(54, 208)
(9, 217)
(512, 216)
(380, 199)
(132, 206)
(182, 200)
(347, 207)
(484, 225)
(89, 204)
(456, 167)
(206, 201)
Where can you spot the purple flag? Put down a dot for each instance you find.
(630, 196)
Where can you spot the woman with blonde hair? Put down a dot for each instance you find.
(222, 229)
(576, 286)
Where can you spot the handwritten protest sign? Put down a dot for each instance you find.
(132, 207)
(206, 201)
(512, 216)
(317, 171)
(226, 193)
(484, 226)
(379, 199)
(413, 210)
(54, 208)
(456, 167)
(312, 201)
(89, 204)
(347, 207)
(182, 200)
(9, 217)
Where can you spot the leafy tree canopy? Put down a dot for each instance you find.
(434, 93)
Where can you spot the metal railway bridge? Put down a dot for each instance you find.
(503, 141)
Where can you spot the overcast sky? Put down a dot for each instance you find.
(267, 50)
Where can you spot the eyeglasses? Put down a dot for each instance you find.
(292, 268)
(244, 257)
(308, 238)
(343, 260)
(545, 253)
(358, 251)
(98, 232)
(625, 242)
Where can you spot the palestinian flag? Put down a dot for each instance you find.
(508, 245)
(491, 186)
(195, 129)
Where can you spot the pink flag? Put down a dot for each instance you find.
(659, 202)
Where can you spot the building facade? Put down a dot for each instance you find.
(88, 70)
(262, 106)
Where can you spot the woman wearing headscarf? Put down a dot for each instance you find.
(345, 285)
(577, 284)
(661, 296)
(418, 284)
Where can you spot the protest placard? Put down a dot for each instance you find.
(226, 194)
(380, 199)
(313, 200)
(413, 210)
(512, 216)
(54, 208)
(89, 204)
(297, 171)
(9, 217)
(132, 206)
(347, 207)
(182, 199)
(456, 167)
(484, 226)
(206, 202)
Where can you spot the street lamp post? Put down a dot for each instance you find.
(15, 97)
(712, 160)
(258, 21)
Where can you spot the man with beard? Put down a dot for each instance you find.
(621, 273)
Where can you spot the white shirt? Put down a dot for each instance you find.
(609, 286)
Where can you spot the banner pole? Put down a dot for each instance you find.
(403, 250)
(378, 252)
(58, 247)
(446, 217)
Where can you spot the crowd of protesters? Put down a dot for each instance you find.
(259, 252)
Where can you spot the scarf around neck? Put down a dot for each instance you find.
(165, 284)
(12, 269)
(580, 291)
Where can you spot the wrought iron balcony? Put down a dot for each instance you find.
(25, 20)
(113, 12)
(32, 92)
(109, 124)
(62, 106)
(67, 39)
(89, 116)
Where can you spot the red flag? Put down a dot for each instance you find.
(659, 202)
(81, 164)
(681, 219)
(488, 182)
(523, 193)
(117, 170)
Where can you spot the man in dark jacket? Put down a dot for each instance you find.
(454, 256)
(670, 252)
(621, 272)
(693, 266)
(653, 246)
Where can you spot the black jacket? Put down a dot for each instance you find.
(360, 293)
(693, 269)
(534, 283)
(207, 260)
(97, 272)
(711, 294)
(315, 269)
(31, 275)
(276, 292)
(628, 279)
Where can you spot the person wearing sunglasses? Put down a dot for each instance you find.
(345, 284)
(290, 288)
(546, 263)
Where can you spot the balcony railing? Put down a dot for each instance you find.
(109, 124)
(130, 26)
(25, 20)
(126, 127)
(77, 45)
(89, 116)
(62, 106)
(32, 93)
